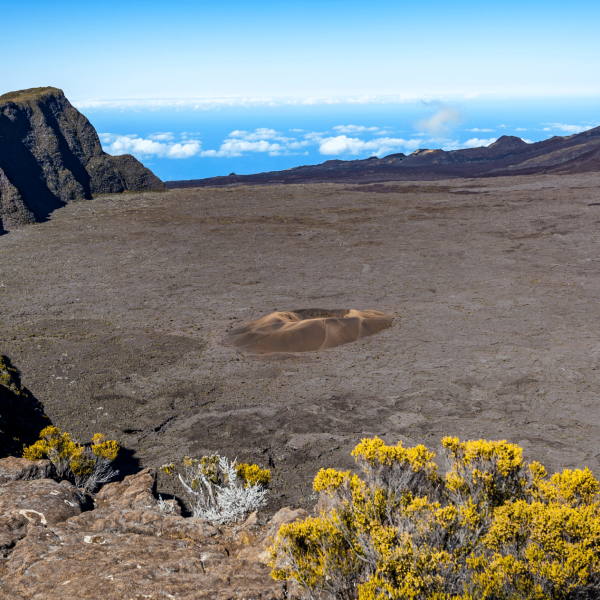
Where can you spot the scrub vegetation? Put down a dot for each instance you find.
(221, 491)
(88, 467)
(493, 527)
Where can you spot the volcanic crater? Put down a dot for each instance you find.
(308, 330)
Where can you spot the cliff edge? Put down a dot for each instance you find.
(50, 154)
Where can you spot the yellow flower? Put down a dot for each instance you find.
(253, 474)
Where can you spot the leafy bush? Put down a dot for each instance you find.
(88, 467)
(219, 490)
(493, 528)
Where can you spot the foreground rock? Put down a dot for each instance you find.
(21, 469)
(128, 548)
(50, 154)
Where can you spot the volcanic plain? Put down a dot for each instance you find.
(116, 312)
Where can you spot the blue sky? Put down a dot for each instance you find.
(196, 88)
(183, 49)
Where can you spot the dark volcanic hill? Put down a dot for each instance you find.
(509, 155)
(50, 154)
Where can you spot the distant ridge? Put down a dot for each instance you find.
(509, 155)
(50, 154)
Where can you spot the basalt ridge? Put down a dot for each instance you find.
(50, 154)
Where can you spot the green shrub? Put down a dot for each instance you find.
(493, 528)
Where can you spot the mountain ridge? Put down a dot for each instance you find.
(508, 155)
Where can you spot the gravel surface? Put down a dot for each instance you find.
(116, 310)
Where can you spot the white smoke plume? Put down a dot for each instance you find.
(441, 121)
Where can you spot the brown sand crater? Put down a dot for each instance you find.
(308, 330)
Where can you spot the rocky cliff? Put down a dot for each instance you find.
(50, 154)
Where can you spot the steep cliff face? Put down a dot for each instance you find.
(50, 154)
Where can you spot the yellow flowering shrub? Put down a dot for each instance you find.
(494, 528)
(103, 448)
(88, 467)
(319, 555)
(253, 474)
(51, 443)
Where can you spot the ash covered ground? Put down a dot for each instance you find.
(116, 311)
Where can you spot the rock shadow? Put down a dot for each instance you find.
(126, 463)
(21, 413)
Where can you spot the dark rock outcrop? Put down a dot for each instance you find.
(127, 548)
(21, 415)
(50, 154)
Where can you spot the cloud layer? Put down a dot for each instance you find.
(363, 140)
(344, 141)
(150, 146)
(343, 145)
(566, 128)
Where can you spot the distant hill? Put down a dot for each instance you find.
(50, 154)
(508, 155)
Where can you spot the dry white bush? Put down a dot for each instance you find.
(102, 472)
(167, 507)
(215, 492)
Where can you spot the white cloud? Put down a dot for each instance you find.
(477, 130)
(449, 145)
(366, 99)
(320, 100)
(520, 129)
(477, 142)
(237, 147)
(354, 128)
(262, 139)
(315, 136)
(190, 135)
(164, 136)
(262, 133)
(216, 103)
(441, 121)
(341, 144)
(567, 128)
(144, 147)
(185, 150)
(170, 103)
